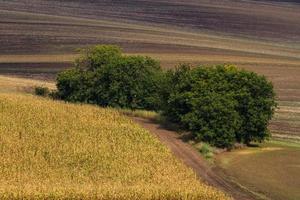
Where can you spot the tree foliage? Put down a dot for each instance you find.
(220, 105)
(105, 77)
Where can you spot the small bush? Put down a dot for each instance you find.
(206, 150)
(41, 91)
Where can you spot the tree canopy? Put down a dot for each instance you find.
(103, 76)
(220, 104)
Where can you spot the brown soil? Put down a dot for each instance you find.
(192, 158)
(250, 18)
(37, 26)
(41, 71)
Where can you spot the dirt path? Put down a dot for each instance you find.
(191, 158)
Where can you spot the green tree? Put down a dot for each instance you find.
(92, 58)
(256, 105)
(74, 85)
(105, 77)
(220, 105)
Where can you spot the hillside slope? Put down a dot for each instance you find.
(55, 150)
(267, 19)
(39, 37)
(37, 24)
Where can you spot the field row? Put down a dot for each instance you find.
(266, 20)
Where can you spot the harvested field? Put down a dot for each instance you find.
(270, 171)
(266, 19)
(21, 85)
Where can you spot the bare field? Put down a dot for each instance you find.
(255, 19)
(39, 38)
(270, 171)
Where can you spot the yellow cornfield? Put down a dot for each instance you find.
(56, 150)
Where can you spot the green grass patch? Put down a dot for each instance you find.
(206, 150)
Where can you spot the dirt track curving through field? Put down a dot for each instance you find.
(191, 158)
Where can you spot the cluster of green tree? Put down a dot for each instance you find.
(103, 76)
(221, 105)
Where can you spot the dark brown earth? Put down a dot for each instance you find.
(44, 71)
(192, 158)
(268, 20)
(252, 18)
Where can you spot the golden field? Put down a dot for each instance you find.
(57, 150)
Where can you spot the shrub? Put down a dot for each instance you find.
(206, 150)
(41, 91)
(220, 105)
(105, 77)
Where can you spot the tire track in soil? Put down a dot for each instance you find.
(192, 159)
